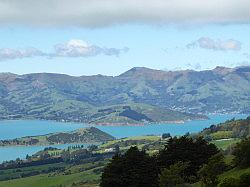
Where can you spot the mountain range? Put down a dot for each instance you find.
(140, 94)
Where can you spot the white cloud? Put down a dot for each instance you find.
(216, 45)
(72, 48)
(97, 13)
(11, 54)
(79, 48)
(75, 48)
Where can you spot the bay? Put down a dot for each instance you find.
(172, 128)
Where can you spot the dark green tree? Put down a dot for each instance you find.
(209, 172)
(244, 180)
(133, 169)
(185, 149)
(242, 153)
(173, 176)
(165, 135)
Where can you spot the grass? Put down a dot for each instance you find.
(235, 173)
(229, 159)
(222, 134)
(87, 174)
(15, 173)
(149, 138)
(224, 144)
(51, 180)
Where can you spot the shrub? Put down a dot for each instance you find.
(244, 180)
(242, 153)
(210, 171)
(134, 168)
(184, 149)
(173, 176)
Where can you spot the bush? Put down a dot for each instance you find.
(245, 180)
(210, 171)
(242, 153)
(173, 176)
(184, 149)
(134, 168)
(165, 135)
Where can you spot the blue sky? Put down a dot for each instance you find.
(115, 48)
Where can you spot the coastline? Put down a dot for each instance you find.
(110, 123)
(48, 145)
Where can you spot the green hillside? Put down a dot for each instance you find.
(230, 129)
(87, 135)
(68, 98)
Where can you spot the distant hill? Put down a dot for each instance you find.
(229, 129)
(63, 97)
(86, 135)
(138, 114)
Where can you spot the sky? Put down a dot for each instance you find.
(109, 37)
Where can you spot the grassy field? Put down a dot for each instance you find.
(87, 177)
(67, 178)
(126, 143)
(87, 174)
(225, 143)
(148, 138)
(16, 173)
(234, 173)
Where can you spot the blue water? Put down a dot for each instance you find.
(14, 129)
(173, 129)
(21, 128)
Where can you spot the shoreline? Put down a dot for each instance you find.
(109, 123)
(49, 145)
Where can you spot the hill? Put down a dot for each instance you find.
(230, 129)
(63, 97)
(86, 135)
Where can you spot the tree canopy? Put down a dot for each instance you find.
(177, 163)
(242, 153)
(135, 168)
(185, 149)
